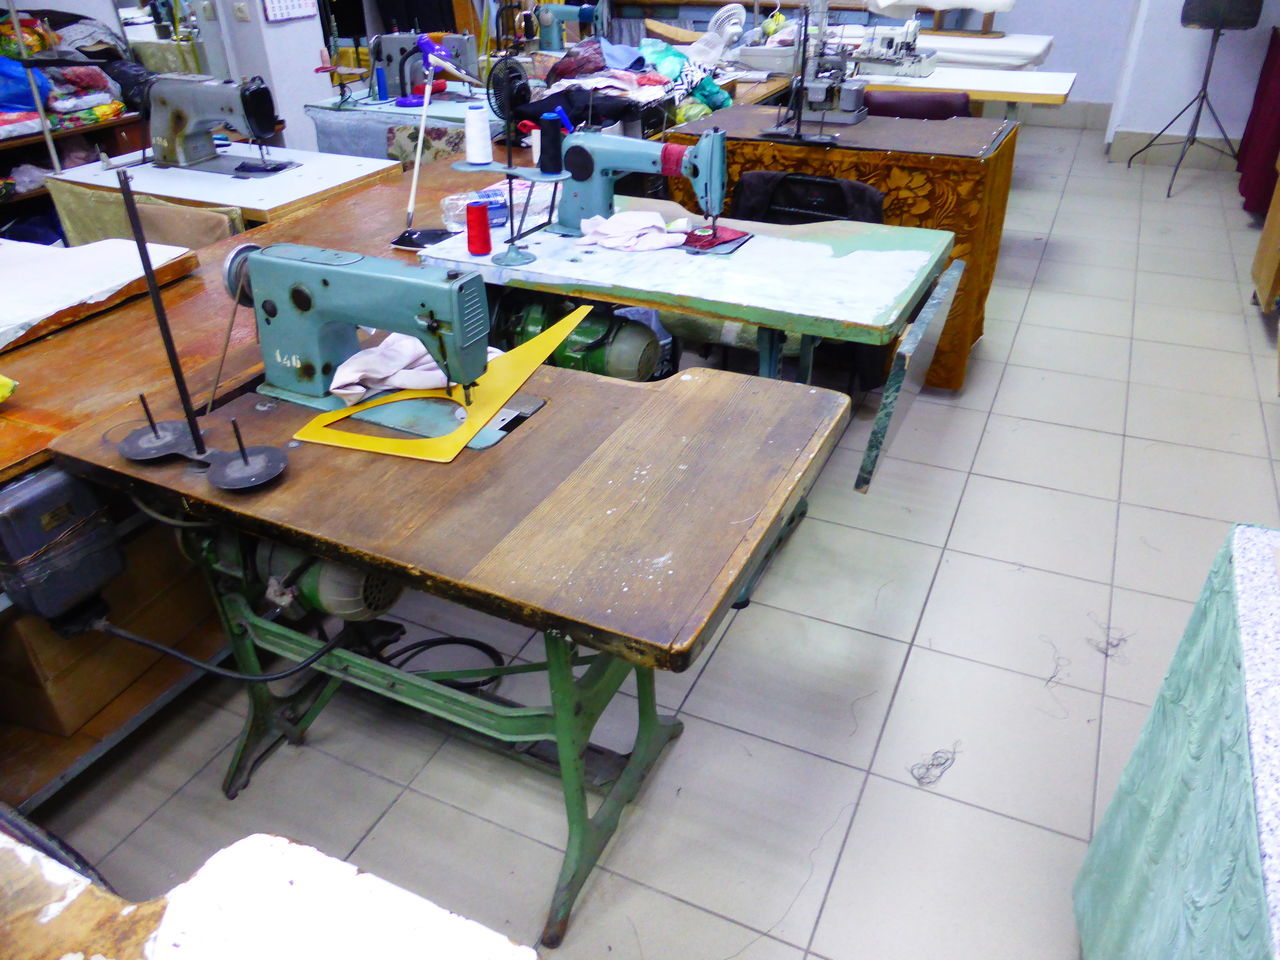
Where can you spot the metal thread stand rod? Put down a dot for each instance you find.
(1199, 101)
(162, 318)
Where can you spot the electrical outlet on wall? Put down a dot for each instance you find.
(242, 12)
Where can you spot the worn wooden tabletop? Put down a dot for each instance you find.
(626, 514)
(83, 371)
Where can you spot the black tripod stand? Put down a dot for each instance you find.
(1199, 101)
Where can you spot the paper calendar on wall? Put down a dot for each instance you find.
(275, 10)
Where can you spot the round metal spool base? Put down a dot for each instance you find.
(228, 471)
(513, 257)
(169, 437)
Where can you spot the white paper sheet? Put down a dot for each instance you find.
(38, 281)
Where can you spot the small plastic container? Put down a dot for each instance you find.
(453, 209)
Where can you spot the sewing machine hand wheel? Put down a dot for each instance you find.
(235, 274)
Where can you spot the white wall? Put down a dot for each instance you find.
(1089, 38)
(285, 55)
(1166, 61)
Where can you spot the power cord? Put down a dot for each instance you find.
(329, 646)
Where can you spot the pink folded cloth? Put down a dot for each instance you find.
(400, 362)
(630, 230)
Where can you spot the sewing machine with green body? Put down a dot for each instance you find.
(309, 303)
(596, 160)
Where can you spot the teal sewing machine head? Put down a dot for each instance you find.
(596, 160)
(551, 20)
(310, 301)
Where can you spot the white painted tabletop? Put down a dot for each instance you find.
(316, 173)
(1012, 86)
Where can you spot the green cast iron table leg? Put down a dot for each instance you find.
(273, 718)
(769, 344)
(576, 705)
(807, 343)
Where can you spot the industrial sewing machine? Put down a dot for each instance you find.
(309, 303)
(595, 161)
(400, 56)
(551, 20)
(893, 51)
(187, 108)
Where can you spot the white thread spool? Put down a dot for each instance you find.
(479, 144)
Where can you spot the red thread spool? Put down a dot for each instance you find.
(478, 243)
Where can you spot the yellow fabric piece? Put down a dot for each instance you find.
(7, 387)
(89, 214)
(497, 385)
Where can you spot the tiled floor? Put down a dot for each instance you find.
(1120, 413)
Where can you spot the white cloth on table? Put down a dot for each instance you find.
(630, 230)
(400, 362)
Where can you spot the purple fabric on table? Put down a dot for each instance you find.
(1260, 145)
(916, 105)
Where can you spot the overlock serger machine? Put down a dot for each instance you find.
(309, 303)
(595, 161)
(186, 108)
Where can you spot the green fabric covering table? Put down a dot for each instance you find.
(1186, 862)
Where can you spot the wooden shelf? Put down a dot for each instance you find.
(34, 765)
(19, 197)
(38, 138)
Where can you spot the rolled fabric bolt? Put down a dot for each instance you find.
(479, 146)
(478, 243)
(550, 157)
(380, 78)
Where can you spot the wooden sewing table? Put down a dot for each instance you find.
(622, 517)
(949, 175)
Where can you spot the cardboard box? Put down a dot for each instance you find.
(55, 684)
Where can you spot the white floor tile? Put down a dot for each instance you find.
(480, 870)
(453, 619)
(1027, 620)
(1192, 368)
(996, 340)
(1121, 724)
(1267, 378)
(1072, 224)
(1066, 398)
(1049, 307)
(622, 920)
(297, 792)
(1260, 331)
(852, 577)
(979, 388)
(1194, 292)
(1050, 455)
(1071, 351)
(1006, 302)
(376, 734)
(1099, 250)
(1024, 747)
(1185, 262)
(1230, 424)
(1164, 553)
(913, 501)
(1047, 529)
(1145, 632)
(827, 687)
(1112, 208)
(739, 826)
(1018, 271)
(119, 794)
(1165, 233)
(942, 435)
(1015, 243)
(1110, 282)
(1187, 216)
(1202, 483)
(1192, 328)
(923, 876)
